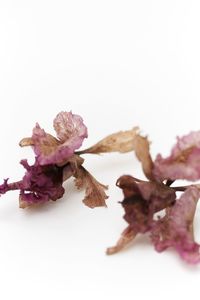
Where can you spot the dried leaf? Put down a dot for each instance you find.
(95, 195)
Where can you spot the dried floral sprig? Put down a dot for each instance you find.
(56, 160)
(144, 199)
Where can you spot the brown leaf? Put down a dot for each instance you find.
(95, 195)
(126, 238)
(118, 142)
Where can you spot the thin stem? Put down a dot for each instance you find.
(14, 186)
(86, 151)
(184, 188)
(180, 188)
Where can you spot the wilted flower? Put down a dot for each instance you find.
(56, 160)
(144, 199)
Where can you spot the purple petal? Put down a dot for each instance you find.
(176, 228)
(41, 184)
(184, 161)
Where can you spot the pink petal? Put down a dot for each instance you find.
(70, 127)
(184, 161)
(176, 228)
(71, 132)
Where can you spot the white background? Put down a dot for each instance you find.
(118, 64)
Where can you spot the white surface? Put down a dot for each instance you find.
(118, 64)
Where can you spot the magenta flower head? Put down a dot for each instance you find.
(56, 160)
(143, 200)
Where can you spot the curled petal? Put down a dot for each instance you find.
(26, 142)
(186, 142)
(72, 166)
(142, 200)
(126, 238)
(126, 141)
(176, 228)
(142, 151)
(71, 132)
(95, 195)
(151, 196)
(118, 142)
(70, 127)
(184, 161)
(41, 184)
(46, 147)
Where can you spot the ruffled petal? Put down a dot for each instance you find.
(39, 184)
(95, 195)
(176, 228)
(184, 161)
(143, 200)
(70, 131)
(70, 128)
(45, 146)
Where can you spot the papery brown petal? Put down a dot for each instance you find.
(45, 144)
(123, 142)
(24, 204)
(142, 150)
(118, 142)
(71, 166)
(95, 195)
(128, 184)
(26, 142)
(126, 238)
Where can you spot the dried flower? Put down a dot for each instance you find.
(144, 199)
(56, 160)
